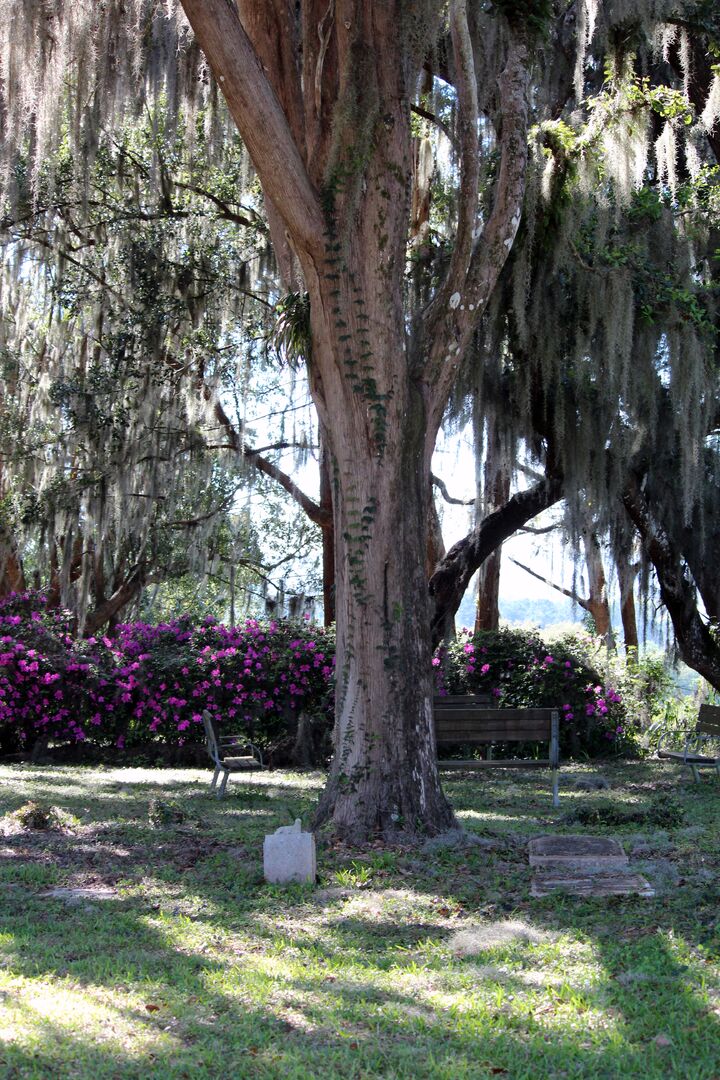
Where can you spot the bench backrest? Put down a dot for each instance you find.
(709, 720)
(467, 719)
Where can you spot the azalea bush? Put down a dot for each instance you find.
(150, 683)
(517, 668)
(147, 684)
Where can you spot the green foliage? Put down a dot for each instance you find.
(518, 669)
(42, 816)
(664, 812)
(532, 15)
(291, 335)
(163, 812)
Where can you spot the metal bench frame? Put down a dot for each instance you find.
(472, 719)
(225, 763)
(707, 728)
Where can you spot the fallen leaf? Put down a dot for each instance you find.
(152, 1008)
(662, 1040)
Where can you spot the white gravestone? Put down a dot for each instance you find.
(289, 855)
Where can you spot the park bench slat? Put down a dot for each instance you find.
(709, 720)
(220, 749)
(469, 712)
(466, 719)
(492, 763)
(515, 731)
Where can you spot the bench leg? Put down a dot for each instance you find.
(215, 778)
(555, 785)
(696, 773)
(223, 785)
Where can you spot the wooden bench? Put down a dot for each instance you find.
(225, 763)
(471, 719)
(707, 728)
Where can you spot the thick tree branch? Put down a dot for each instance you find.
(448, 584)
(126, 591)
(259, 117)
(451, 317)
(467, 99)
(314, 511)
(442, 488)
(439, 124)
(552, 585)
(697, 646)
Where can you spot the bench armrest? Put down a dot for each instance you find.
(661, 730)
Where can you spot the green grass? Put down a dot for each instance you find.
(399, 963)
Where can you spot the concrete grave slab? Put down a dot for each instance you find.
(546, 882)
(582, 853)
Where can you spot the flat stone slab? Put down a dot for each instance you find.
(589, 853)
(546, 882)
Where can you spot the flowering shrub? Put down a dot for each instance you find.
(151, 683)
(516, 668)
(148, 683)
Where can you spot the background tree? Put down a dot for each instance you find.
(131, 314)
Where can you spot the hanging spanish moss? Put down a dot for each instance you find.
(599, 349)
(77, 70)
(130, 288)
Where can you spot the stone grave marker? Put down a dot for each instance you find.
(577, 851)
(289, 855)
(593, 884)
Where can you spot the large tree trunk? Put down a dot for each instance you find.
(12, 576)
(597, 603)
(626, 579)
(383, 775)
(321, 95)
(328, 538)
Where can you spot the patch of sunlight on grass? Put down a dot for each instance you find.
(29, 1007)
(308, 781)
(493, 815)
(248, 812)
(480, 937)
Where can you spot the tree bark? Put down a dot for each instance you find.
(12, 576)
(341, 181)
(328, 538)
(628, 614)
(597, 599)
(109, 609)
(494, 494)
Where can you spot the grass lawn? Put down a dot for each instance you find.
(179, 961)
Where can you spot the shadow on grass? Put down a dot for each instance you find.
(246, 981)
(364, 1011)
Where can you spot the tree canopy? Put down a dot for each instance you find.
(514, 200)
